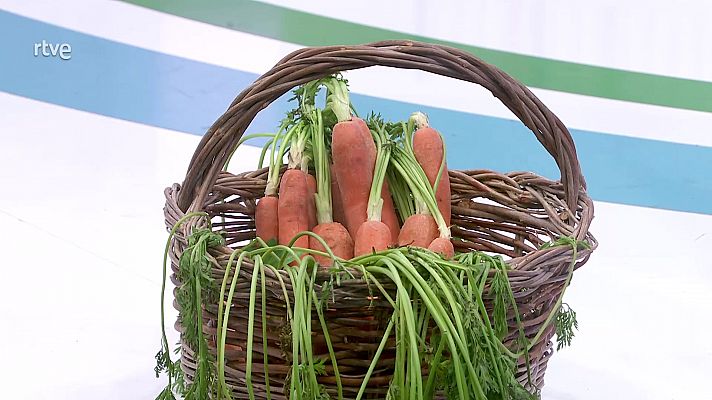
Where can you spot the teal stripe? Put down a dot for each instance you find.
(152, 88)
(314, 30)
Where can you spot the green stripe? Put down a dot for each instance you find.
(313, 30)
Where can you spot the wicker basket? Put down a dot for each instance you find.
(509, 214)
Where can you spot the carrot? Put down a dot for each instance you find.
(418, 230)
(365, 131)
(375, 234)
(426, 222)
(372, 236)
(266, 211)
(338, 240)
(311, 205)
(354, 156)
(294, 199)
(336, 202)
(429, 150)
(443, 247)
(266, 219)
(293, 192)
(388, 211)
(335, 235)
(352, 169)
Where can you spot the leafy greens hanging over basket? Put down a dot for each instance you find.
(364, 268)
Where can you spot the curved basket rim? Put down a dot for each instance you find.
(584, 235)
(220, 140)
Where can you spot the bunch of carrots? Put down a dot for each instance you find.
(361, 186)
(373, 196)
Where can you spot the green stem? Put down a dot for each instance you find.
(434, 364)
(264, 333)
(251, 326)
(309, 294)
(383, 156)
(330, 347)
(321, 167)
(337, 98)
(414, 370)
(427, 292)
(401, 195)
(376, 357)
(201, 379)
(243, 140)
(485, 327)
(296, 320)
(277, 157)
(444, 324)
(164, 337)
(268, 146)
(222, 328)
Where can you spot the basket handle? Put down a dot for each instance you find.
(312, 63)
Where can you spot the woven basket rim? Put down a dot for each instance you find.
(581, 233)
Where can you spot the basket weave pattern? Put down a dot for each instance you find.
(509, 214)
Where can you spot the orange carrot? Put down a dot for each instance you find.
(429, 149)
(443, 247)
(267, 209)
(427, 221)
(372, 236)
(338, 240)
(266, 220)
(293, 192)
(357, 198)
(418, 230)
(375, 234)
(354, 157)
(334, 234)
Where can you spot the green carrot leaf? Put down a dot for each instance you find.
(566, 323)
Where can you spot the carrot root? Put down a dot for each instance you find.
(429, 149)
(338, 240)
(443, 247)
(418, 230)
(293, 192)
(266, 218)
(372, 236)
(354, 154)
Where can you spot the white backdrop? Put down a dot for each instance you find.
(81, 197)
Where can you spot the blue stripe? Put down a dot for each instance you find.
(130, 83)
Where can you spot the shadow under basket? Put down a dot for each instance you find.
(511, 215)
